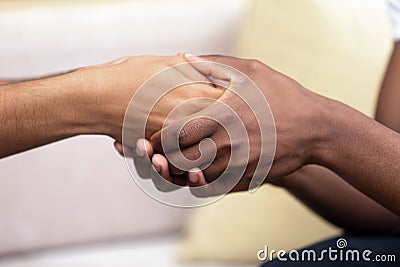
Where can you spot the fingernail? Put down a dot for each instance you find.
(140, 148)
(194, 175)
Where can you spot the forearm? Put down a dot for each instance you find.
(361, 151)
(338, 202)
(90, 100)
(39, 112)
(4, 81)
(335, 199)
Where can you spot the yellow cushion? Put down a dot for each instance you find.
(337, 48)
(236, 227)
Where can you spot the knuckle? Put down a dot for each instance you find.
(216, 58)
(184, 135)
(189, 131)
(253, 64)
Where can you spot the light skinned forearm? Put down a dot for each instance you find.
(38, 112)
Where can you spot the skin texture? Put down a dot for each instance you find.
(290, 103)
(338, 202)
(4, 82)
(281, 92)
(96, 99)
(90, 100)
(336, 140)
(319, 187)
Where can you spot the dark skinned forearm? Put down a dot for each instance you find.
(338, 202)
(320, 188)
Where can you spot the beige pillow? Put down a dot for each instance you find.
(338, 48)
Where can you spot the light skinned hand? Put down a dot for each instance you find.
(147, 66)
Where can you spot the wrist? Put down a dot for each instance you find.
(333, 120)
(83, 108)
(102, 106)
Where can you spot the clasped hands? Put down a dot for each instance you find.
(270, 147)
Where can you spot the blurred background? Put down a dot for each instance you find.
(73, 203)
